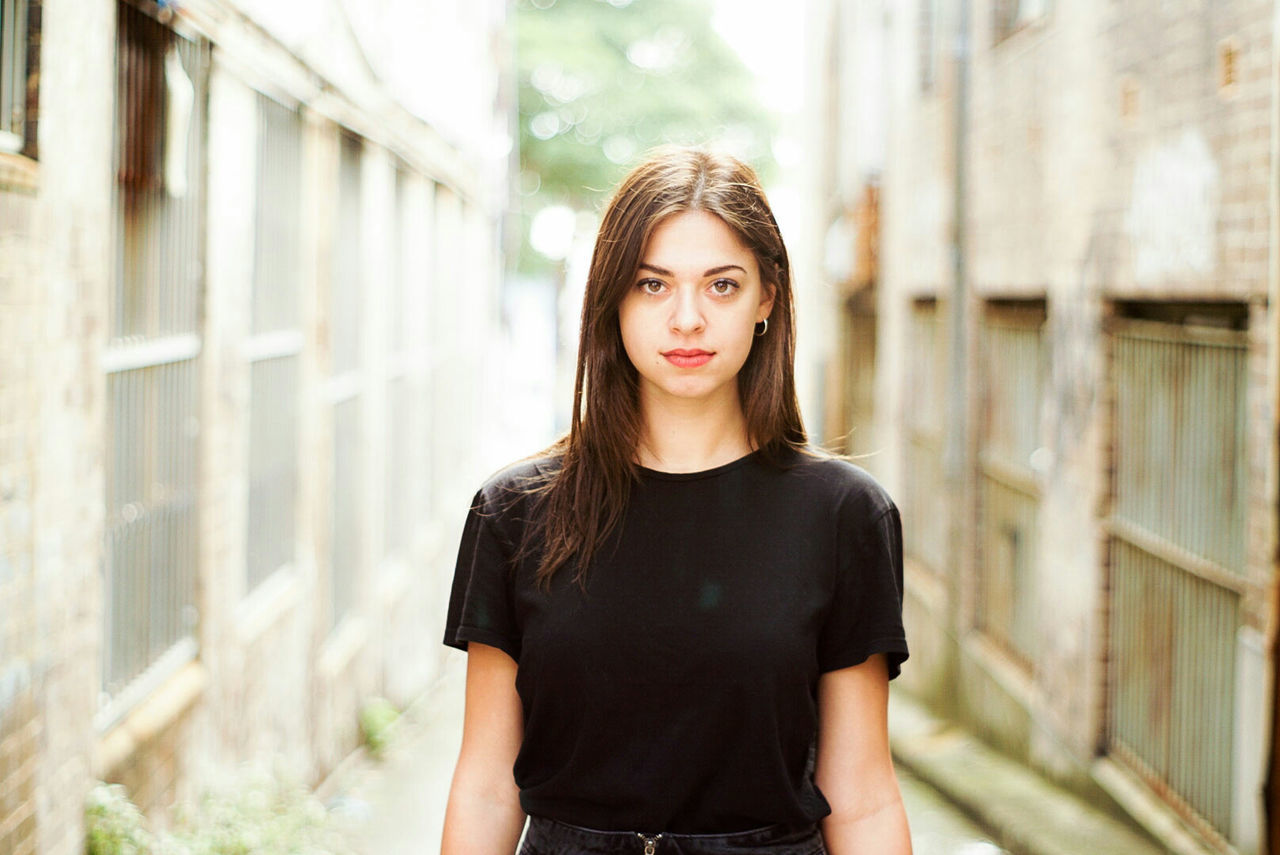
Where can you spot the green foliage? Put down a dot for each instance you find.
(377, 720)
(602, 81)
(113, 824)
(260, 815)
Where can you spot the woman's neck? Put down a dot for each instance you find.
(691, 436)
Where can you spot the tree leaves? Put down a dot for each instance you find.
(602, 81)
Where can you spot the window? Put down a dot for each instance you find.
(17, 72)
(275, 344)
(152, 360)
(1177, 551)
(928, 43)
(1012, 374)
(925, 497)
(400, 445)
(346, 384)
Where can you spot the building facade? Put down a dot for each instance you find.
(246, 251)
(1073, 397)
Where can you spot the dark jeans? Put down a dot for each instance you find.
(548, 837)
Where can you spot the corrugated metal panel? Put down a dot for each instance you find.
(1177, 560)
(924, 511)
(1180, 461)
(152, 360)
(1012, 386)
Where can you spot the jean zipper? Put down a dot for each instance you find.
(650, 843)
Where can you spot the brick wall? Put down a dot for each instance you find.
(1190, 198)
(19, 657)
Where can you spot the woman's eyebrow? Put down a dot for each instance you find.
(662, 271)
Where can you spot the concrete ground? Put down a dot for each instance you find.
(1021, 811)
(960, 796)
(395, 806)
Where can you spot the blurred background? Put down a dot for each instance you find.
(282, 283)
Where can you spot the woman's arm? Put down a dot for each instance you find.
(483, 816)
(854, 767)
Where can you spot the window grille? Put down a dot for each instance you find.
(927, 43)
(399, 272)
(446, 307)
(346, 383)
(401, 422)
(348, 509)
(858, 356)
(275, 344)
(925, 499)
(1012, 366)
(151, 545)
(13, 73)
(1177, 560)
(345, 291)
(420, 349)
(399, 469)
(152, 359)
(273, 463)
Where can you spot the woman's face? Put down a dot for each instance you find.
(688, 320)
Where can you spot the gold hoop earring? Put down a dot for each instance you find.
(761, 330)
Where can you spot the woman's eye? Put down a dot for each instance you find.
(723, 287)
(650, 286)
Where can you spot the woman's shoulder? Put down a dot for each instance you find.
(527, 476)
(841, 481)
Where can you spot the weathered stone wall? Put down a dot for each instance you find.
(1116, 151)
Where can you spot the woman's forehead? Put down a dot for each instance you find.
(695, 240)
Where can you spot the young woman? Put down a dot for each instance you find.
(680, 622)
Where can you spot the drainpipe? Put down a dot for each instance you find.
(955, 456)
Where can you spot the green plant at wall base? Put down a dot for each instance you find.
(261, 815)
(377, 723)
(113, 824)
(258, 815)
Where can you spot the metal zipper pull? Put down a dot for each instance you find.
(650, 843)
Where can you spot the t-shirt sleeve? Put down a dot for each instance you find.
(865, 617)
(481, 606)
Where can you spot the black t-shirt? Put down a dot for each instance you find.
(679, 692)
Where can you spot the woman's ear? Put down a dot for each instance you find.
(767, 294)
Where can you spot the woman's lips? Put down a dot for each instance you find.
(688, 358)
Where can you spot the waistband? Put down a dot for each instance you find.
(551, 837)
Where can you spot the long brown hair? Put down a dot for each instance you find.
(586, 497)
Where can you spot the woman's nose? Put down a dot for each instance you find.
(686, 316)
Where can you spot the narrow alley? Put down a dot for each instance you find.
(281, 284)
